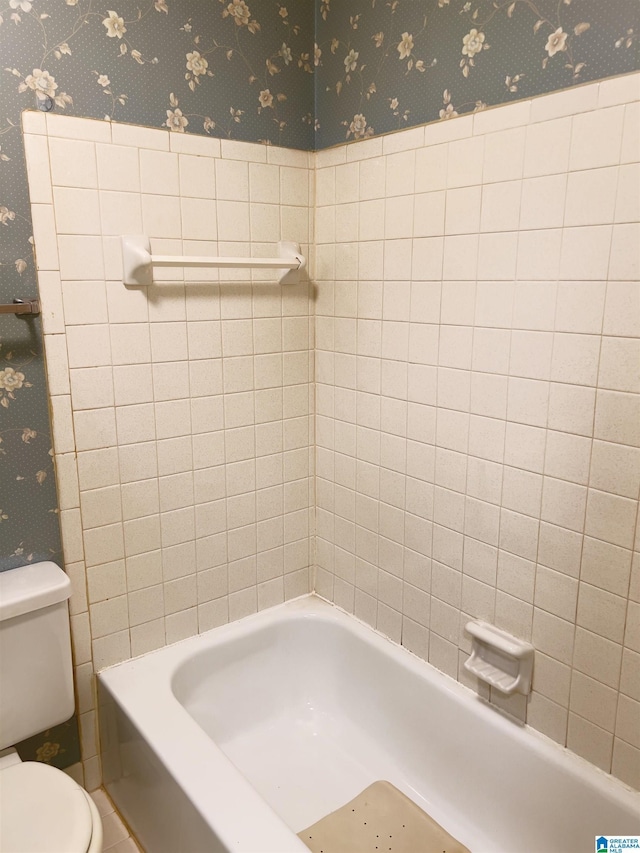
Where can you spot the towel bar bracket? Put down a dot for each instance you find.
(21, 306)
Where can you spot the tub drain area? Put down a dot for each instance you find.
(379, 820)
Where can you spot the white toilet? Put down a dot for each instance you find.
(42, 810)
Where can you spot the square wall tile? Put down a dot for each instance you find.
(73, 163)
(596, 139)
(118, 168)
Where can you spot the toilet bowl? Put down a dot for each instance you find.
(42, 810)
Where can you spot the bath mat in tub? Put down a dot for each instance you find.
(379, 820)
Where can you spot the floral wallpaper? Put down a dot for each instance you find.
(58, 746)
(28, 502)
(388, 64)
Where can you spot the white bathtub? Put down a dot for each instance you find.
(237, 739)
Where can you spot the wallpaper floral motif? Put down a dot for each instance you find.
(58, 746)
(388, 64)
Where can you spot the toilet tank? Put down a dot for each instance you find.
(36, 673)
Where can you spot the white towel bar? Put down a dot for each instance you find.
(137, 261)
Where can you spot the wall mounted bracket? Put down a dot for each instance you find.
(21, 306)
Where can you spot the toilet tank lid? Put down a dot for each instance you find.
(32, 587)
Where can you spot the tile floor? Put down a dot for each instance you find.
(117, 838)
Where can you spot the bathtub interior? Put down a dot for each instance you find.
(308, 735)
(312, 712)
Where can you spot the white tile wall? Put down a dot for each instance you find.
(477, 448)
(182, 412)
(478, 372)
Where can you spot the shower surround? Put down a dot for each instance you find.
(476, 303)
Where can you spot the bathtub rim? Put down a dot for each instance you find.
(237, 795)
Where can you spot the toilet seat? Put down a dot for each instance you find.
(42, 810)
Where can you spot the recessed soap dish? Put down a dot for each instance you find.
(503, 661)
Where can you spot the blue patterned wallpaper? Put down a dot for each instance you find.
(388, 64)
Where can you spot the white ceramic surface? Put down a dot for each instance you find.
(35, 651)
(242, 736)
